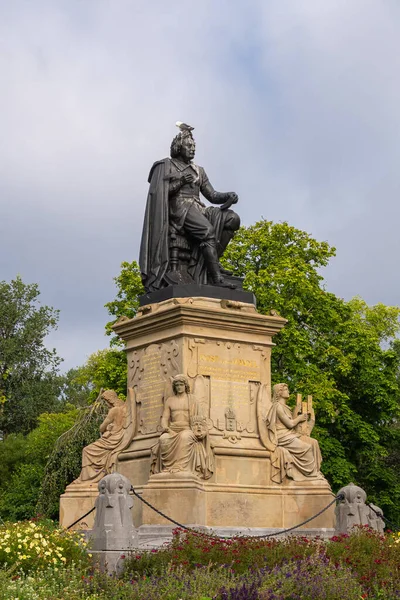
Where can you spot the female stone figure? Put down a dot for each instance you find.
(183, 446)
(293, 455)
(117, 430)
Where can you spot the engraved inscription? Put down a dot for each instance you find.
(233, 370)
(150, 391)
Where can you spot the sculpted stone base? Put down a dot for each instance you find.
(238, 505)
(223, 347)
(75, 502)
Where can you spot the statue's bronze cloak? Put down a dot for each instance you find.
(153, 258)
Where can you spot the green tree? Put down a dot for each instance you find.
(129, 288)
(28, 370)
(343, 353)
(105, 369)
(25, 459)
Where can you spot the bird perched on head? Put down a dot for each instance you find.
(184, 126)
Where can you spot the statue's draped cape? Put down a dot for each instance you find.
(154, 250)
(153, 258)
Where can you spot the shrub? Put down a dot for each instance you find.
(30, 546)
(374, 558)
(191, 550)
(311, 578)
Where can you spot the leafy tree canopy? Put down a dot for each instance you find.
(344, 353)
(28, 370)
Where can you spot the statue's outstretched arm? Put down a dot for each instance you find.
(213, 196)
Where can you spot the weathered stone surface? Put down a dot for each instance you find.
(224, 348)
(113, 527)
(352, 510)
(117, 430)
(293, 453)
(184, 445)
(154, 536)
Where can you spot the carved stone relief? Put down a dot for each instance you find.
(233, 372)
(149, 369)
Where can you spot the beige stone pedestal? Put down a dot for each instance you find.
(224, 348)
(76, 502)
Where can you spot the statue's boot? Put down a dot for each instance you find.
(213, 266)
(224, 271)
(226, 236)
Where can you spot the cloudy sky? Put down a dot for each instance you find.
(296, 105)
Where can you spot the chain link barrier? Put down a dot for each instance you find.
(395, 527)
(210, 535)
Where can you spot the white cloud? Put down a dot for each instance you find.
(295, 106)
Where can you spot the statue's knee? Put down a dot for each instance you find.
(163, 438)
(187, 435)
(232, 221)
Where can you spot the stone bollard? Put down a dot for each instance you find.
(113, 533)
(352, 510)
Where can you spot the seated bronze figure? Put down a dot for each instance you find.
(182, 239)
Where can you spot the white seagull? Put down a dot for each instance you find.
(184, 126)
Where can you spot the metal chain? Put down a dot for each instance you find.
(200, 533)
(82, 517)
(396, 527)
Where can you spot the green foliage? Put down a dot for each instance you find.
(65, 461)
(28, 382)
(24, 465)
(75, 389)
(105, 369)
(12, 453)
(19, 495)
(364, 562)
(363, 565)
(34, 546)
(340, 352)
(130, 287)
(311, 578)
(343, 353)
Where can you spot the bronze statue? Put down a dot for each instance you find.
(182, 239)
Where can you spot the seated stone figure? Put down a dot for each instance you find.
(293, 454)
(117, 430)
(182, 239)
(184, 445)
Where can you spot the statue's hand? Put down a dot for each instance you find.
(187, 178)
(302, 418)
(234, 197)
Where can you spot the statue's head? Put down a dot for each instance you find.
(280, 390)
(183, 146)
(111, 397)
(199, 427)
(180, 384)
(352, 494)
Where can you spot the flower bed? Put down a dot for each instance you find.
(192, 567)
(29, 546)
